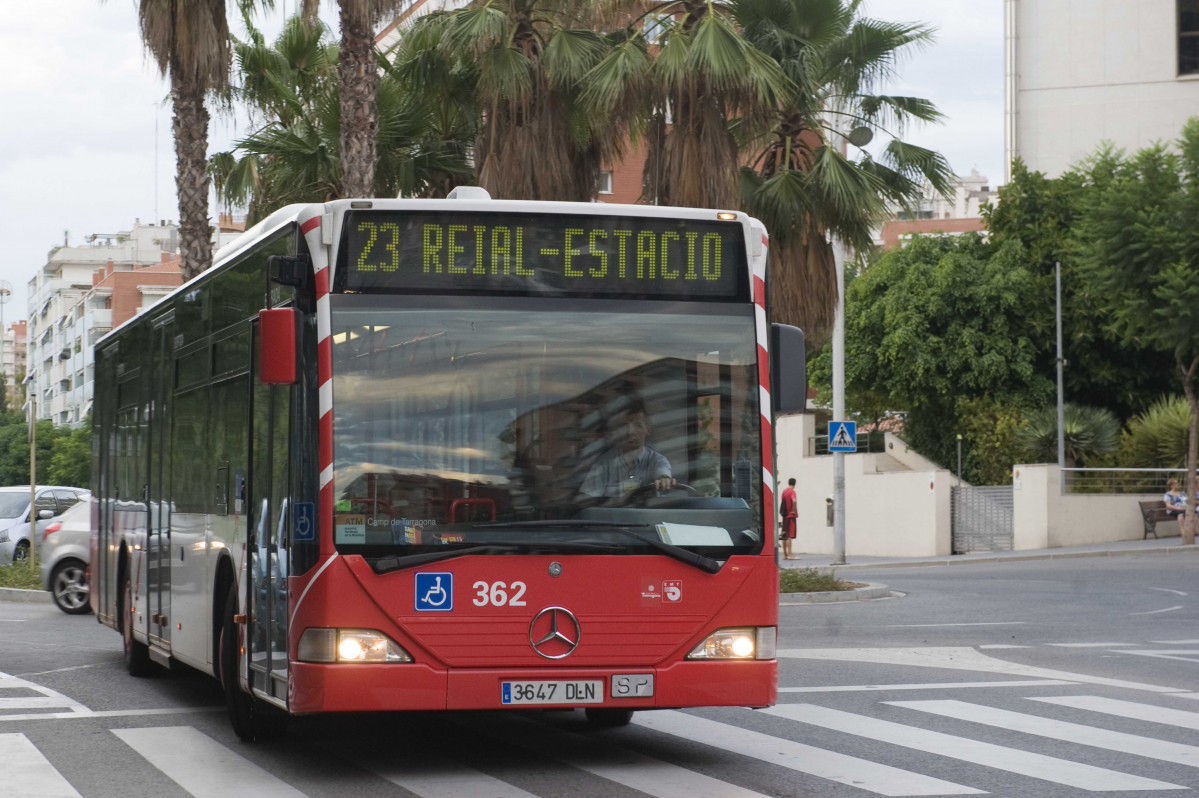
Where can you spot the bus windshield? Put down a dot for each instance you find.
(524, 423)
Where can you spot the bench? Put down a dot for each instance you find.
(1151, 513)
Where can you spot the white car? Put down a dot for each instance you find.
(64, 557)
(52, 501)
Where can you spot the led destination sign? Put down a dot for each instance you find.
(452, 252)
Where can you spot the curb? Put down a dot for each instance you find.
(967, 559)
(24, 596)
(870, 591)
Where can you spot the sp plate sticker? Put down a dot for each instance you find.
(434, 592)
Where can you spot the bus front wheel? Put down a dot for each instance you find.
(251, 718)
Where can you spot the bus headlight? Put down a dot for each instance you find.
(349, 645)
(750, 642)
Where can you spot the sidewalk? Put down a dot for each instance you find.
(1170, 545)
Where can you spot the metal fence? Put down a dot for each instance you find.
(982, 518)
(818, 444)
(1120, 480)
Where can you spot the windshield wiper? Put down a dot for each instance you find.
(706, 564)
(385, 565)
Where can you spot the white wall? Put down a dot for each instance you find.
(889, 512)
(1044, 518)
(1087, 71)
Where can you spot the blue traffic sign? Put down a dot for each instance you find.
(842, 436)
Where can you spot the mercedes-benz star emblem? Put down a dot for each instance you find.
(554, 632)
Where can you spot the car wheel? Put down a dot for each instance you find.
(68, 587)
(21, 553)
(137, 655)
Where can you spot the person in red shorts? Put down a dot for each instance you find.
(788, 513)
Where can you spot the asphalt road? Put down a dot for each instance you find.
(1048, 678)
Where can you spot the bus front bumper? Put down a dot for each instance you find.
(394, 688)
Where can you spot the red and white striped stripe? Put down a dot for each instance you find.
(311, 228)
(759, 293)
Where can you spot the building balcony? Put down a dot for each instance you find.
(98, 319)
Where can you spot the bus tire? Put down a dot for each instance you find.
(608, 718)
(137, 655)
(251, 718)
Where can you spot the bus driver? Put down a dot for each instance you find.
(628, 464)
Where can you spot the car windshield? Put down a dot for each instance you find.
(13, 503)
(545, 423)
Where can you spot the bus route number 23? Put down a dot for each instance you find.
(496, 594)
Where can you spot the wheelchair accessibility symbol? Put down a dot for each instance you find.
(434, 592)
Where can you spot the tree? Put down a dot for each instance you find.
(358, 76)
(799, 180)
(1040, 214)
(71, 459)
(523, 66)
(704, 87)
(934, 325)
(1088, 433)
(1157, 438)
(1140, 247)
(292, 155)
(189, 40)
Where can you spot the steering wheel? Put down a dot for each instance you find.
(649, 490)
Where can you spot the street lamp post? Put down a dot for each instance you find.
(959, 459)
(839, 409)
(32, 469)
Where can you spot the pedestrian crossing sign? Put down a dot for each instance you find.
(842, 436)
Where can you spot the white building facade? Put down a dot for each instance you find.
(1082, 72)
(66, 316)
(12, 361)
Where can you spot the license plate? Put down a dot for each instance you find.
(584, 691)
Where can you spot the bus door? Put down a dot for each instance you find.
(159, 522)
(269, 536)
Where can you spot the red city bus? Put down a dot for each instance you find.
(452, 454)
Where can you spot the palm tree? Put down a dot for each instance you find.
(799, 180)
(1089, 433)
(703, 86)
(189, 40)
(524, 63)
(293, 154)
(358, 71)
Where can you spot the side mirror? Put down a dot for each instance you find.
(277, 335)
(788, 369)
(42, 515)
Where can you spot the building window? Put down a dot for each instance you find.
(1188, 37)
(655, 27)
(605, 183)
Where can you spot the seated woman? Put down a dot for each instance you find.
(1176, 502)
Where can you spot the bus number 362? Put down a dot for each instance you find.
(496, 594)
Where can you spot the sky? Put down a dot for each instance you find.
(86, 146)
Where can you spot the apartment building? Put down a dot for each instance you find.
(12, 361)
(78, 296)
(937, 215)
(1082, 73)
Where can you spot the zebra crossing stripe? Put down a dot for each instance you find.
(1164, 750)
(201, 765)
(28, 774)
(1128, 709)
(615, 763)
(1013, 760)
(438, 777)
(861, 773)
(49, 699)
